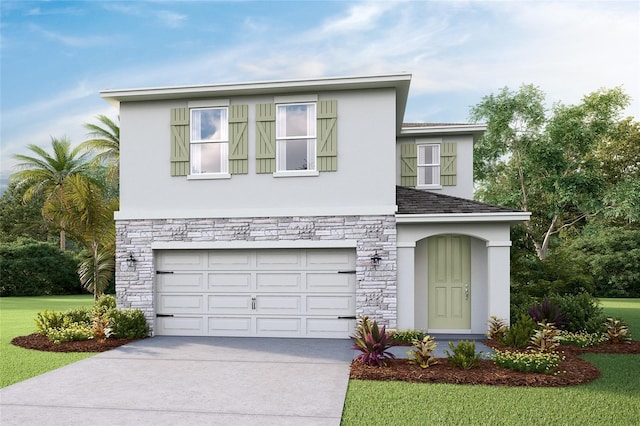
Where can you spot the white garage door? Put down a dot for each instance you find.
(268, 293)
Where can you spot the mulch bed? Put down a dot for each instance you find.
(572, 371)
(40, 342)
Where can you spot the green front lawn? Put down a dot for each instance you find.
(610, 400)
(17, 319)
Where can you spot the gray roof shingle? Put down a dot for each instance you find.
(416, 201)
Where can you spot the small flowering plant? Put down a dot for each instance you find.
(581, 339)
(528, 362)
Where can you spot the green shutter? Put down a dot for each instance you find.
(265, 138)
(238, 139)
(179, 141)
(448, 164)
(409, 164)
(327, 148)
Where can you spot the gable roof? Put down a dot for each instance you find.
(412, 201)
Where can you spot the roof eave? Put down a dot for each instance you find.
(463, 217)
(399, 81)
(446, 130)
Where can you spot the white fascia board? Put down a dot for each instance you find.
(252, 213)
(453, 129)
(463, 217)
(243, 245)
(400, 81)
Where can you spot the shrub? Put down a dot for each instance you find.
(548, 312)
(48, 320)
(105, 303)
(537, 362)
(372, 341)
(78, 315)
(36, 268)
(128, 323)
(100, 327)
(582, 312)
(497, 328)
(407, 335)
(519, 334)
(464, 355)
(617, 331)
(421, 355)
(580, 339)
(545, 339)
(70, 332)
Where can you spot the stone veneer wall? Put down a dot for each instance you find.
(375, 290)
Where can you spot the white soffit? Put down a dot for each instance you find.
(463, 217)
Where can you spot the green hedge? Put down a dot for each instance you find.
(36, 268)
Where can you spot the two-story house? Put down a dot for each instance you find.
(286, 208)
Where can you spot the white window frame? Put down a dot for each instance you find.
(223, 140)
(310, 137)
(435, 166)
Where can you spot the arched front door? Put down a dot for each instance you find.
(449, 282)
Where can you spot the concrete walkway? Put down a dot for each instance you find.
(190, 381)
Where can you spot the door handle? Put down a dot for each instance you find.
(466, 292)
(253, 303)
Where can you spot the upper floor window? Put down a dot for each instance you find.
(296, 137)
(209, 148)
(429, 165)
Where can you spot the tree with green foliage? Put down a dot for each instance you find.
(47, 173)
(90, 222)
(542, 164)
(105, 139)
(19, 218)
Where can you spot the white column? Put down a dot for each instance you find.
(406, 285)
(498, 278)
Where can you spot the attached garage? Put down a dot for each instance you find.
(263, 292)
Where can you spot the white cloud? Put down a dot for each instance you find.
(82, 41)
(171, 19)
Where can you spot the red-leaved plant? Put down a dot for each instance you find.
(372, 341)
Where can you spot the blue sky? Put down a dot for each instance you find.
(57, 55)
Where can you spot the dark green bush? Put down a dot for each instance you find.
(127, 323)
(407, 336)
(36, 268)
(582, 312)
(519, 334)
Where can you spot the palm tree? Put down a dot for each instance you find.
(46, 174)
(106, 140)
(90, 222)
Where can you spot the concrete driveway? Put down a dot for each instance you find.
(191, 381)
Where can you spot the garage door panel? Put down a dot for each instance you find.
(180, 326)
(330, 259)
(278, 282)
(181, 260)
(272, 326)
(180, 303)
(329, 327)
(231, 259)
(331, 305)
(229, 282)
(284, 304)
(229, 303)
(279, 259)
(331, 282)
(181, 282)
(230, 326)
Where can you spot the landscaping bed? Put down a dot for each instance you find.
(572, 371)
(40, 342)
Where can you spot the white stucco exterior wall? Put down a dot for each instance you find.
(363, 184)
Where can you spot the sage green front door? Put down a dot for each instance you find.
(449, 278)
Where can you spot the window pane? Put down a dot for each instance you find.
(296, 155)
(425, 154)
(429, 175)
(207, 158)
(209, 124)
(296, 120)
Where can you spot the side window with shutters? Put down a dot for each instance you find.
(209, 142)
(428, 165)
